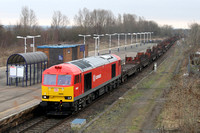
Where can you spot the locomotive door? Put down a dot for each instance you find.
(87, 81)
(113, 70)
(77, 84)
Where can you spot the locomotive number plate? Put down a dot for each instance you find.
(55, 89)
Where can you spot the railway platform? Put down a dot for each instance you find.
(16, 100)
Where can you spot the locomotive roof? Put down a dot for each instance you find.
(93, 62)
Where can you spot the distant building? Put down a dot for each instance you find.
(60, 53)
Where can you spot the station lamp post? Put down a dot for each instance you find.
(98, 41)
(144, 37)
(110, 36)
(131, 34)
(125, 39)
(135, 38)
(84, 36)
(95, 48)
(33, 45)
(147, 37)
(118, 40)
(140, 38)
(24, 42)
(150, 36)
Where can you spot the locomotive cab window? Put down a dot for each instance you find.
(76, 79)
(64, 79)
(49, 79)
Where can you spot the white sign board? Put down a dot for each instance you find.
(13, 71)
(20, 71)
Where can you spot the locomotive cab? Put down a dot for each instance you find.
(59, 87)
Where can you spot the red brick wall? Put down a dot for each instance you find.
(67, 56)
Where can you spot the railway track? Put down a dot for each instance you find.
(46, 123)
(43, 125)
(56, 124)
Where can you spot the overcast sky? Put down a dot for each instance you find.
(178, 13)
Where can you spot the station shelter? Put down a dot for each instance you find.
(26, 68)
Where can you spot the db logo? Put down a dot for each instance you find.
(96, 77)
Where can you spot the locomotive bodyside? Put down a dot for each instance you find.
(68, 86)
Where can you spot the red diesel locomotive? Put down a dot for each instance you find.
(68, 87)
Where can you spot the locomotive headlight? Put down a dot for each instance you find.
(45, 97)
(68, 97)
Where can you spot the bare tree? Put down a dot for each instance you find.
(28, 21)
(32, 18)
(194, 34)
(129, 22)
(59, 20)
(28, 17)
(83, 18)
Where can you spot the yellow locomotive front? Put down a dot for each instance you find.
(58, 89)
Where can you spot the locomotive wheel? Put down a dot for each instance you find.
(118, 83)
(88, 101)
(110, 87)
(93, 96)
(84, 104)
(106, 89)
(75, 107)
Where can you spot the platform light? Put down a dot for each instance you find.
(33, 45)
(150, 36)
(98, 44)
(144, 36)
(21, 37)
(131, 34)
(95, 47)
(118, 39)
(84, 36)
(125, 34)
(110, 36)
(135, 37)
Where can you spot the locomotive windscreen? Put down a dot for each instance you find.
(49, 79)
(64, 79)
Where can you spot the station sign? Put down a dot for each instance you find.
(20, 71)
(16, 71)
(60, 57)
(13, 71)
(82, 48)
(32, 45)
